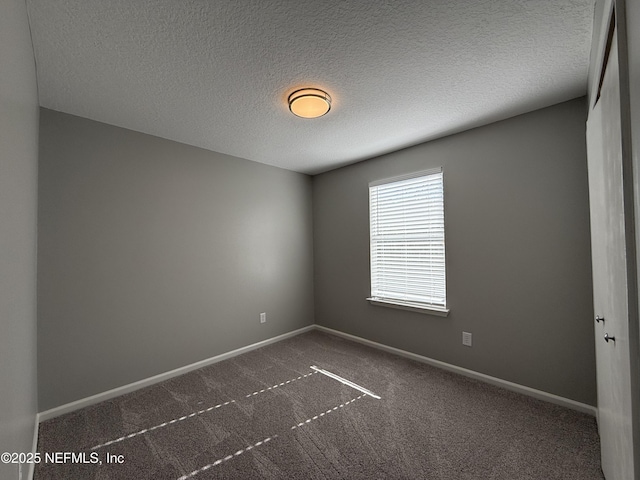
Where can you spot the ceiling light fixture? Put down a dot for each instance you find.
(309, 103)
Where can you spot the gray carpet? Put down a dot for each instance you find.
(267, 414)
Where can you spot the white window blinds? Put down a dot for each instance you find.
(407, 240)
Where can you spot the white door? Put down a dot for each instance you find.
(604, 148)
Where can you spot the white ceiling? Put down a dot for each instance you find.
(216, 73)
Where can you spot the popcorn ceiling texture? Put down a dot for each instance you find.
(216, 74)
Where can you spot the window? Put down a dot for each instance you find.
(406, 216)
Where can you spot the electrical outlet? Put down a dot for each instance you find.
(466, 339)
(263, 318)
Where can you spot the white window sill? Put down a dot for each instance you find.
(412, 307)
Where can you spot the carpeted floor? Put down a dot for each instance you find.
(267, 414)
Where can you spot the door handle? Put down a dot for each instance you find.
(599, 319)
(607, 338)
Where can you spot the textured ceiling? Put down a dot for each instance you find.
(216, 73)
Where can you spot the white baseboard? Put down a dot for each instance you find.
(109, 394)
(116, 392)
(531, 392)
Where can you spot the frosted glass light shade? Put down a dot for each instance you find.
(309, 103)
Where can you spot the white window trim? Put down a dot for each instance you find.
(407, 176)
(424, 308)
(412, 307)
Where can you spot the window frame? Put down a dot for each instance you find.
(426, 308)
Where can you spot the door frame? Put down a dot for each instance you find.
(614, 12)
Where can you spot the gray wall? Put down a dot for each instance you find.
(155, 254)
(518, 252)
(18, 189)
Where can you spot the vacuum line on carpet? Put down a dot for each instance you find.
(191, 415)
(170, 422)
(262, 442)
(278, 385)
(309, 420)
(227, 458)
(345, 381)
